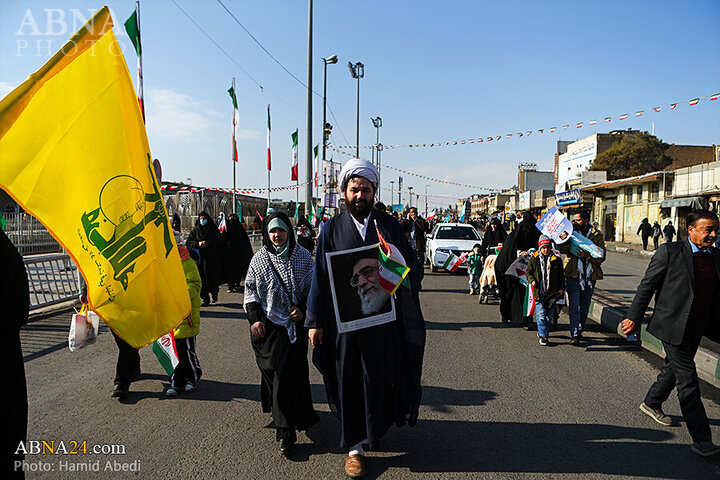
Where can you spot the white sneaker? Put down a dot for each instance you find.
(189, 387)
(171, 392)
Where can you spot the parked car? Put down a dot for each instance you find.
(446, 238)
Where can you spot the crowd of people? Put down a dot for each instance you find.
(372, 370)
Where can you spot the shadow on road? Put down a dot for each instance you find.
(438, 446)
(463, 291)
(236, 314)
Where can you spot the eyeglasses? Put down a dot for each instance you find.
(365, 272)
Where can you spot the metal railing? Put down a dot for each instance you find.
(51, 279)
(29, 235)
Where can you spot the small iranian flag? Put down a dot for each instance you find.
(529, 300)
(607, 119)
(393, 270)
(592, 122)
(694, 101)
(294, 164)
(639, 113)
(553, 129)
(566, 126)
(222, 226)
(657, 109)
(313, 215)
(578, 125)
(132, 27)
(673, 105)
(166, 353)
(714, 96)
(453, 262)
(623, 116)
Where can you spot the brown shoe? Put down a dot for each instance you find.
(355, 466)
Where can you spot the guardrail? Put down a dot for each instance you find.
(51, 279)
(29, 235)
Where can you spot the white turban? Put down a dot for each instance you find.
(360, 168)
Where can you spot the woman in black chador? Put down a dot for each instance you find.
(276, 289)
(512, 292)
(238, 252)
(205, 238)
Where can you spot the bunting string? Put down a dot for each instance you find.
(527, 133)
(242, 191)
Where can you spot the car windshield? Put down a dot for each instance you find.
(457, 233)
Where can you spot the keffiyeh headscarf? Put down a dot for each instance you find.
(357, 167)
(265, 286)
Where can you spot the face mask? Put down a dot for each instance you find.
(203, 221)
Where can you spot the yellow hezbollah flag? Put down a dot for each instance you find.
(74, 153)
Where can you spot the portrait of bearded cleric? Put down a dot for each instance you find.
(359, 300)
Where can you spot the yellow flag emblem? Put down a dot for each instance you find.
(74, 153)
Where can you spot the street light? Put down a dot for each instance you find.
(377, 123)
(326, 126)
(426, 210)
(392, 184)
(410, 190)
(357, 71)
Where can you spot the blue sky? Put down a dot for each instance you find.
(434, 71)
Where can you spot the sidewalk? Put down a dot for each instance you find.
(624, 247)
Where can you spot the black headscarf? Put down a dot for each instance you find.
(266, 236)
(176, 224)
(523, 238)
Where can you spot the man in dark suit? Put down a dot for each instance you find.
(684, 276)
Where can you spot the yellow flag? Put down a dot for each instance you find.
(74, 153)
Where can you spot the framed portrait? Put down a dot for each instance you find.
(358, 299)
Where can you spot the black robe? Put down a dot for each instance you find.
(15, 301)
(492, 238)
(211, 262)
(512, 292)
(371, 376)
(238, 251)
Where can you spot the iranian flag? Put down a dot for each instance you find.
(694, 101)
(222, 225)
(592, 122)
(673, 105)
(657, 109)
(268, 144)
(431, 217)
(639, 113)
(132, 27)
(313, 215)
(553, 129)
(294, 164)
(529, 300)
(316, 166)
(393, 269)
(453, 262)
(236, 121)
(578, 125)
(607, 119)
(623, 116)
(166, 353)
(714, 96)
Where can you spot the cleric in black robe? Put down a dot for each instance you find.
(276, 290)
(15, 301)
(205, 238)
(512, 292)
(238, 252)
(372, 375)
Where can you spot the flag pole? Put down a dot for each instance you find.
(268, 159)
(232, 155)
(140, 77)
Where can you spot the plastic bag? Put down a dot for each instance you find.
(83, 328)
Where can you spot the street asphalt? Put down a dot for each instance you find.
(496, 404)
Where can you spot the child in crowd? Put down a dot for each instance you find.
(475, 268)
(546, 274)
(187, 372)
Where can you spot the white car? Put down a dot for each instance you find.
(446, 238)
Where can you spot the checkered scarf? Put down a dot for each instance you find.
(262, 284)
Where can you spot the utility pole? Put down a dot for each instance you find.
(357, 71)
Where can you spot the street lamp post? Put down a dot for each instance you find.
(410, 189)
(326, 126)
(392, 184)
(426, 210)
(377, 123)
(357, 71)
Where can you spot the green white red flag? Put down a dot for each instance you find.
(714, 96)
(639, 113)
(166, 352)
(393, 269)
(294, 164)
(316, 166)
(623, 116)
(236, 121)
(694, 101)
(453, 261)
(132, 27)
(529, 300)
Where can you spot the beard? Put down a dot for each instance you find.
(359, 209)
(372, 299)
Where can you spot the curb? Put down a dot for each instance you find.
(644, 253)
(706, 361)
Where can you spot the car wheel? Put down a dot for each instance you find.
(433, 268)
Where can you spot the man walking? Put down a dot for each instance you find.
(371, 375)
(644, 230)
(581, 273)
(685, 277)
(669, 232)
(415, 228)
